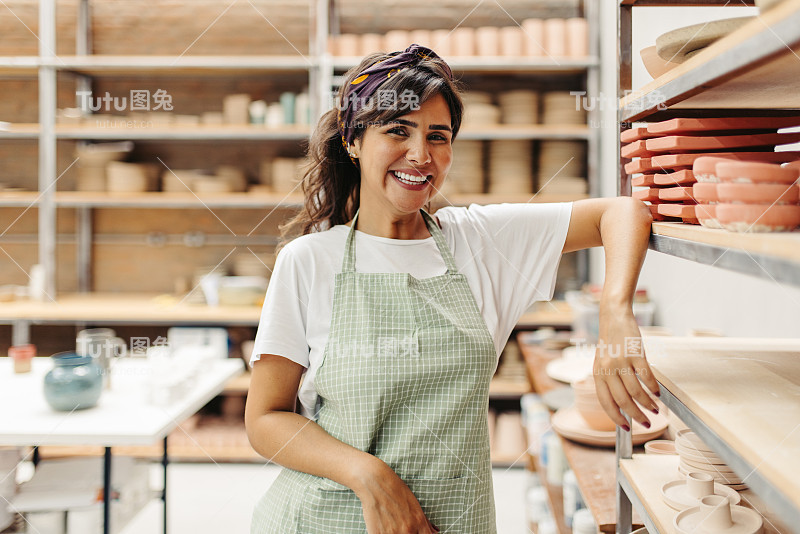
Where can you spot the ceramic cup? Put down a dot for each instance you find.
(715, 513)
(102, 345)
(22, 356)
(698, 485)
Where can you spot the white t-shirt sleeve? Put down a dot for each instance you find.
(282, 328)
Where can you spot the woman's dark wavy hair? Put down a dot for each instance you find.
(331, 181)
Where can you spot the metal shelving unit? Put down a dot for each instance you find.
(751, 71)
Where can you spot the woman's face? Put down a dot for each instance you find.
(404, 162)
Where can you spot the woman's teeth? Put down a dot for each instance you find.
(409, 179)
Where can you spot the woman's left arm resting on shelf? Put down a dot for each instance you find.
(622, 227)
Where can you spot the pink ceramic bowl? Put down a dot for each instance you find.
(705, 192)
(758, 193)
(755, 172)
(758, 217)
(704, 168)
(596, 418)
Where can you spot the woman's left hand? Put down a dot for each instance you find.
(619, 364)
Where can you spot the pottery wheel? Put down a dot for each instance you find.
(745, 521)
(677, 496)
(674, 46)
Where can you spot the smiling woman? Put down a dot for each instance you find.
(397, 344)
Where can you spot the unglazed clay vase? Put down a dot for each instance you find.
(74, 383)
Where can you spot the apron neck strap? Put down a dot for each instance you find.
(349, 260)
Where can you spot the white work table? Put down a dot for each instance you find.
(123, 415)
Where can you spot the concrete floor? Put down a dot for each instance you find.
(214, 499)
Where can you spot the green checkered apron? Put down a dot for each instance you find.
(405, 376)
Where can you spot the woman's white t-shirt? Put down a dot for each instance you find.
(509, 254)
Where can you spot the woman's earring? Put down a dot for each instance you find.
(352, 153)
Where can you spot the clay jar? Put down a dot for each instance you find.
(74, 383)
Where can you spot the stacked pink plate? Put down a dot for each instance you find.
(663, 155)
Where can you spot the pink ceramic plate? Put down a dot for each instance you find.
(680, 177)
(704, 192)
(676, 194)
(685, 143)
(671, 161)
(758, 193)
(649, 194)
(634, 134)
(683, 126)
(636, 149)
(677, 210)
(569, 423)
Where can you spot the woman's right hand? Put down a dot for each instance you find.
(388, 503)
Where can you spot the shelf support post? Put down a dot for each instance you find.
(47, 144)
(624, 450)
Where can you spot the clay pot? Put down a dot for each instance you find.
(370, 43)
(555, 37)
(488, 39)
(758, 193)
(462, 42)
(348, 44)
(758, 217)
(511, 39)
(755, 172)
(395, 40)
(577, 37)
(421, 37)
(534, 37)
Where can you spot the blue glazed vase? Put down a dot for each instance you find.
(74, 383)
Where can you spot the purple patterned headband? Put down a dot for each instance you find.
(365, 84)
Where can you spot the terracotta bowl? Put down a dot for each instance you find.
(705, 192)
(758, 193)
(758, 217)
(755, 172)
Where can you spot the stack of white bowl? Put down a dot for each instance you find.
(466, 172)
(479, 110)
(560, 107)
(519, 107)
(561, 159)
(696, 456)
(510, 167)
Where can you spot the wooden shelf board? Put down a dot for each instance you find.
(595, 470)
(151, 131)
(238, 384)
(171, 65)
(753, 404)
(500, 64)
(784, 245)
(755, 67)
(555, 498)
(647, 473)
(532, 131)
(125, 308)
(556, 313)
(156, 199)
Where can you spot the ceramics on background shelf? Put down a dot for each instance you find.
(686, 493)
(716, 515)
(569, 423)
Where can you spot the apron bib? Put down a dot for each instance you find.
(405, 377)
